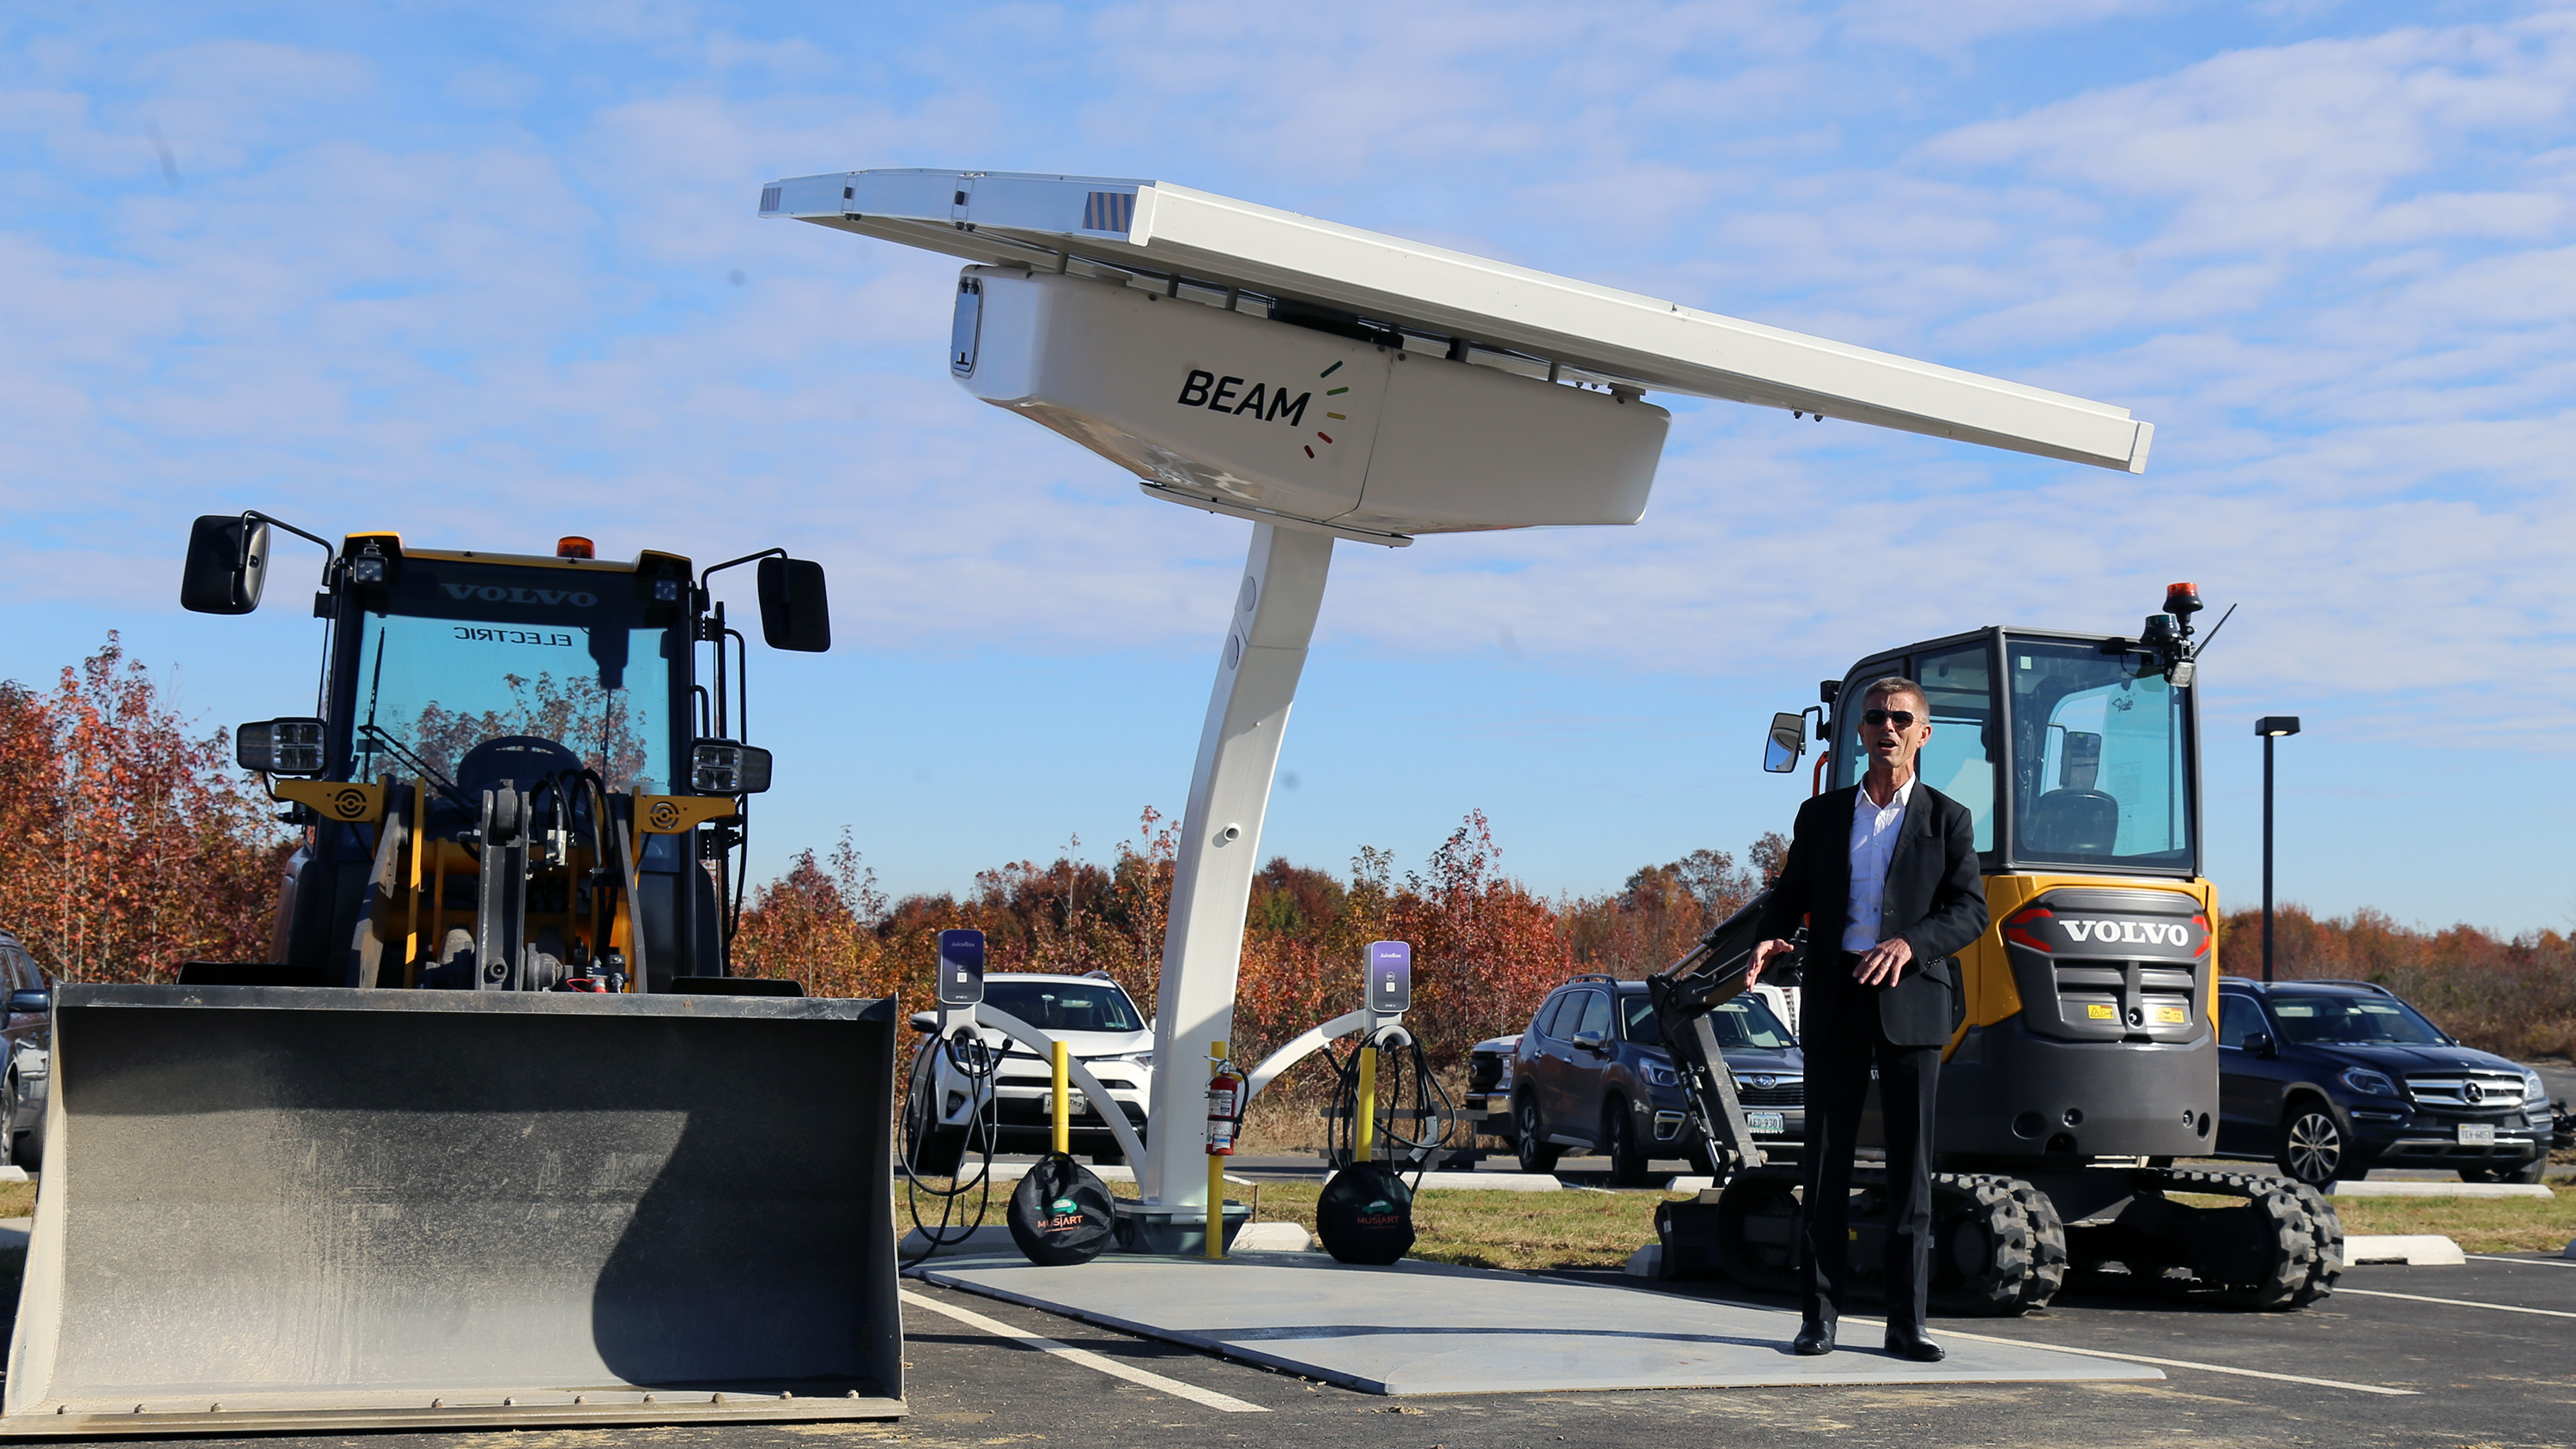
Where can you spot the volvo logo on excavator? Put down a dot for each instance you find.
(2134, 933)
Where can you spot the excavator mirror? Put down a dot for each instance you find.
(227, 565)
(794, 613)
(280, 747)
(1788, 741)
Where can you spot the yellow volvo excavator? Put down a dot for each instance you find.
(2085, 1061)
(494, 1136)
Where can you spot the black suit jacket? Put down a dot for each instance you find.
(1935, 899)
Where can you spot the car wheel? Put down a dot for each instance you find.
(2314, 1149)
(1537, 1154)
(9, 1135)
(1628, 1163)
(2532, 1171)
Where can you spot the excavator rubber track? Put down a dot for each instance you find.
(307, 1209)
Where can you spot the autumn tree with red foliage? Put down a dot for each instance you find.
(128, 845)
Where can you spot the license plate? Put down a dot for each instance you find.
(2477, 1134)
(1766, 1121)
(1075, 1104)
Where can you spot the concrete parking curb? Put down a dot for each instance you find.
(2439, 1189)
(2415, 1250)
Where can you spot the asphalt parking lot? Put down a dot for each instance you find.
(2479, 1355)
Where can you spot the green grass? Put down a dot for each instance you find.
(1570, 1229)
(1578, 1229)
(2478, 1224)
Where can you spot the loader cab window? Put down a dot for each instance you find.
(454, 654)
(2101, 759)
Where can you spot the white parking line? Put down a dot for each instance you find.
(1085, 1357)
(2181, 1363)
(2459, 1302)
(2509, 1258)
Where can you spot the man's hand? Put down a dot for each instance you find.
(1762, 953)
(1881, 964)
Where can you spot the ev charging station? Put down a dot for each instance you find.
(1329, 383)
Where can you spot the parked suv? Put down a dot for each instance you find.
(2332, 1078)
(27, 1040)
(1099, 1025)
(1591, 1074)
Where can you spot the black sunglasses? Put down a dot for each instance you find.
(1902, 718)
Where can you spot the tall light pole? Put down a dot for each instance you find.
(2271, 727)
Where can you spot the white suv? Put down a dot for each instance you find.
(1095, 1019)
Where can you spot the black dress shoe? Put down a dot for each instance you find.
(1813, 1340)
(1914, 1348)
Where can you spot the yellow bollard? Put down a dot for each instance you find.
(1215, 1225)
(1063, 1100)
(1364, 1110)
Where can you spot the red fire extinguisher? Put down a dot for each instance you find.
(1225, 1109)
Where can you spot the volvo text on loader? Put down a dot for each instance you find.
(2086, 1059)
(493, 1136)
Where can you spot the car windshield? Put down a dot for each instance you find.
(2353, 1021)
(456, 654)
(1742, 1024)
(1063, 1005)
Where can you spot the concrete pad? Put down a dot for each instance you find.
(2415, 1250)
(1272, 1238)
(993, 1240)
(1428, 1328)
(1646, 1262)
(1690, 1183)
(2570, 1250)
(2438, 1189)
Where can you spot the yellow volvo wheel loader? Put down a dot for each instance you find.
(494, 1136)
(2085, 1062)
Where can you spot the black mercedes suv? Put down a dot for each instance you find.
(2332, 1078)
(1590, 1073)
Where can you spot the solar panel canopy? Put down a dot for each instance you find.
(1237, 254)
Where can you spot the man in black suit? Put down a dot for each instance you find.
(1885, 873)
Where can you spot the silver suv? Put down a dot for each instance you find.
(1095, 1019)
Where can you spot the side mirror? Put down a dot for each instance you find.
(794, 613)
(280, 747)
(925, 1021)
(1590, 1041)
(2259, 1043)
(1788, 741)
(723, 767)
(227, 565)
(31, 1002)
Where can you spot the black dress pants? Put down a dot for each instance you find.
(1837, 1083)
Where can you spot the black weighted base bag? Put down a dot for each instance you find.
(1365, 1215)
(1061, 1214)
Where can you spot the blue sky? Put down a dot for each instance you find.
(488, 274)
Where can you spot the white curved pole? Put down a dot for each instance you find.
(1043, 1044)
(1300, 1049)
(1220, 844)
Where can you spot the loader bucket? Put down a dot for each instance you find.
(283, 1209)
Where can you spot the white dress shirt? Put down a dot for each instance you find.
(1873, 842)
